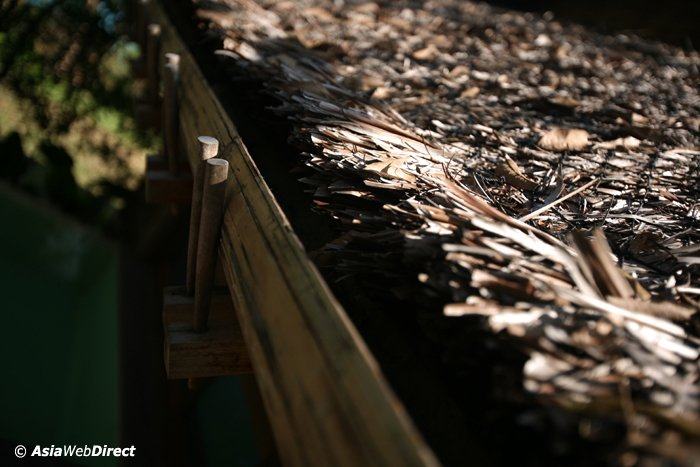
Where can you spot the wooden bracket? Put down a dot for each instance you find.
(218, 351)
(202, 336)
(163, 187)
(168, 180)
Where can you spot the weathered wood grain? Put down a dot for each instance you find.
(208, 148)
(210, 223)
(178, 306)
(217, 351)
(326, 397)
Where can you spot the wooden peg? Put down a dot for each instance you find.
(213, 197)
(170, 109)
(146, 108)
(208, 149)
(167, 181)
(152, 56)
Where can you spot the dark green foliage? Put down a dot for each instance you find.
(66, 93)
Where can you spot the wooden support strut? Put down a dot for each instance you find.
(202, 336)
(213, 197)
(138, 33)
(208, 148)
(171, 115)
(152, 57)
(147, 108)
(172, 185)
(140, 22)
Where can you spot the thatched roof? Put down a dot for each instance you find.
(537, 174)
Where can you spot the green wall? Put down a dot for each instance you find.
(58, 337)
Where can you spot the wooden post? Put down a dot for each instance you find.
(172, 185)
(213, 197)
(208, 148)
(140, 18)
(171, 79)
(152, 54)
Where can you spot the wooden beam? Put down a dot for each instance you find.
(326, 398)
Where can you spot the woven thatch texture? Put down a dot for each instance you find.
(540, 175)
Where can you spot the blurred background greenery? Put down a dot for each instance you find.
(81, 347)
(71, 159)
(66, 127)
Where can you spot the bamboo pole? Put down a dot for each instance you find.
(213, 197)
(171, 80)
(208, 148)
